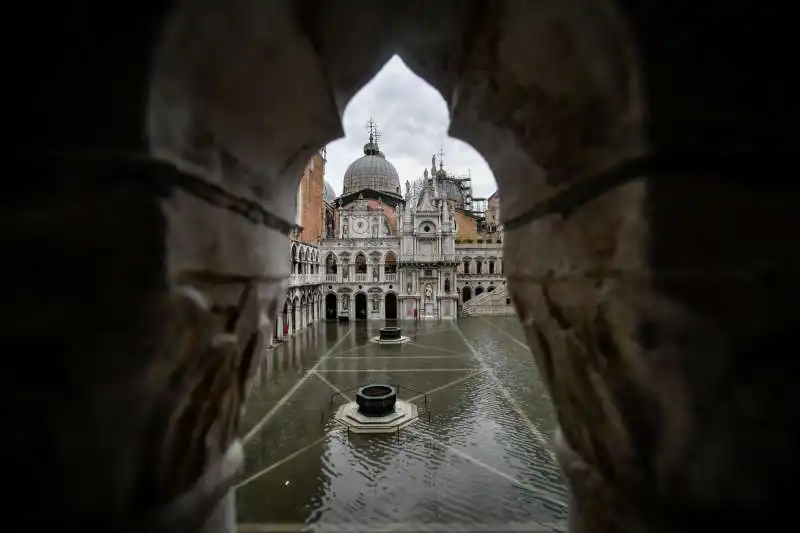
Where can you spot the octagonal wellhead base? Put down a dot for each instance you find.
(402, 339)
(404, 414)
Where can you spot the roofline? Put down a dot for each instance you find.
(391, 194)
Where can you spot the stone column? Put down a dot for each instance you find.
(279, 322)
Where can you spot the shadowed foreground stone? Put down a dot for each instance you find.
(659, 309)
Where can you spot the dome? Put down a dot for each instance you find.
(371, 171)
(451, 190)
(328, 194)
(449, 186)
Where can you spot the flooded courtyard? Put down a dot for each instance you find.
(477, 457)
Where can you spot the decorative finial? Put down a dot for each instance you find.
(441, 157)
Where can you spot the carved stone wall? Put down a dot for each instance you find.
(660, 308)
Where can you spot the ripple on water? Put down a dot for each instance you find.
(476, 461)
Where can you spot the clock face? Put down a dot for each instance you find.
(360, 226)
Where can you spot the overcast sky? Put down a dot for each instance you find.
(412, 118)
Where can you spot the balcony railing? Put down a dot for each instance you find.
(361, 277)
(390, 277)
(430, 258)
(304, 279)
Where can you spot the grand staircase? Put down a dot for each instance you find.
(489, 303)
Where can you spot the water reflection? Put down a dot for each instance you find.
(475, 461)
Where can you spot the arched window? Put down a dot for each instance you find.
(466, 266)
(330, 264)
(390, 263)
(294, 260)
(361, 264)
(491, 267)
(478, 269)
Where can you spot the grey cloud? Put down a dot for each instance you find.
(413, 120)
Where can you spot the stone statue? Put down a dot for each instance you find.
(345, 302)
(375, 274)
(408, 189)
(428, 292)
(344, 229)
(409, 287)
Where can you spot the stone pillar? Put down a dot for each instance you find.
(279, 328)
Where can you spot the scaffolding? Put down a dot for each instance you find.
(473, 206)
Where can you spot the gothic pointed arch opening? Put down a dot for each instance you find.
(478, 291)
(466, 293)
(295, 262)
(390, 306)
(330, 263)
(576, 116)
(331, 306)
(361, 263)
(390, 263)
(295, 312)
(361, 306)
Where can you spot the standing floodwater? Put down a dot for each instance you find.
(482, 458)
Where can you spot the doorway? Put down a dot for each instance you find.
(361, 306)
(391, 306)
(331, 307)
(466, 294)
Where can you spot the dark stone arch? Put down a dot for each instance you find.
(390, 306)
(466, 293)
(698, 94)
(331, 306)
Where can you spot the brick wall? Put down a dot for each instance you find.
(391, 216)
(312, 207)
(467, 227)
(493, 210)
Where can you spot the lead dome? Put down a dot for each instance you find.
(371, 171)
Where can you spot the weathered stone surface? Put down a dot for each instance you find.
(659, 311)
